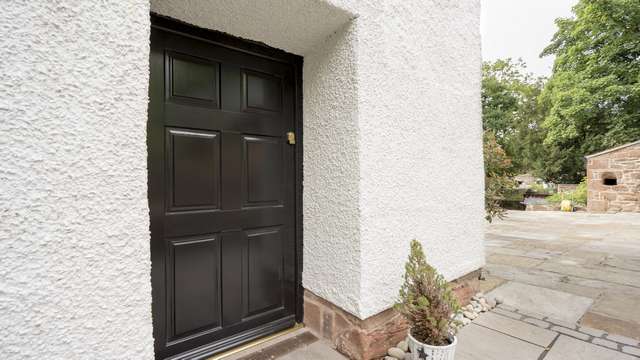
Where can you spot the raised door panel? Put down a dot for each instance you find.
(265, 270)
(192, 80)
(194, 284)
(263, 171)
(261, 92)
(193, 168)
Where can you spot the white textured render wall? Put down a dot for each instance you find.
(404, 160)
(332, 261)
(419, 117)
(326, 36)
(392, 133)
(74, 233)
(392, 151)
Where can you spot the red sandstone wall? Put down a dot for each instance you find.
(625, 196)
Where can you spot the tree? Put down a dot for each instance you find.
(593, 95)
(497, 181)
(510, 109)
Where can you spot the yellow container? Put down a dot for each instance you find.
(565, 205)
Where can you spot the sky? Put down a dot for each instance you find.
(521, 29)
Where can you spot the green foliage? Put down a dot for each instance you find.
(578, 196)
(593, 96)
(556, 198)
(497, 181)
(510, 109)
(426, 300)
(514, 194)
(538, 188)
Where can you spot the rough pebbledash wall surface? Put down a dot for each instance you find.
(419, 119)
(392, 151)
(623, 166)
(392, 134)
(74, 234)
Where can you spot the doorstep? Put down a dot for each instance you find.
(292, 344)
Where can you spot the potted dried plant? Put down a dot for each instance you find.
(426, 300)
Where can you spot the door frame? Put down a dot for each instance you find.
(261, 50)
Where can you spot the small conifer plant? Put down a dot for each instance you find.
(426, 300)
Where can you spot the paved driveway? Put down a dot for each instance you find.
(572, 267)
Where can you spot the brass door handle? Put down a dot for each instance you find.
(291, 138)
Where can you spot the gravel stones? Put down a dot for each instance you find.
(478, 304)
(403, 345)
(470, 315)
(396, 353)
(491, 303)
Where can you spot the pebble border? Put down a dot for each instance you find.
(478, 304)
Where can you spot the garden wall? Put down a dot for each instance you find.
(613, 180)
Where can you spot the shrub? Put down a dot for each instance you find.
(580, 194)
(577, 196)
(497, 180)
(538, 189)
(426, 300)
(556, 198)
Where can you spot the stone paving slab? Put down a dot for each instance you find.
(574, 285)
(316, 351)
(516, 328)
(589, 255)
(567, 348)
(476, 342)
(617, 305)
(300, 344)
(554, 304)
(612, 275)
(514, 260)
(611, 325)
(495, 334)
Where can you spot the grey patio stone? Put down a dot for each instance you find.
(570, 332)
(566, 348)
(538, 300)
(592, 331)
(622, 339)
(531, 314)
(477, 342)
(507, 313)
(586, 254)
(515, 328)
(540, 323)
(568, 325)
(607, 343)
(316, 351)
(619, 305)
(506, 307)
(631, 350)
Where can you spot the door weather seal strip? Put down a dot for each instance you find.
(256, 342)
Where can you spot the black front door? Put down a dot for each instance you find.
(222, 190)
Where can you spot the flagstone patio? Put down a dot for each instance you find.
(570, 283)
(592, 260)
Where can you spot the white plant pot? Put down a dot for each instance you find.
(420, 351)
